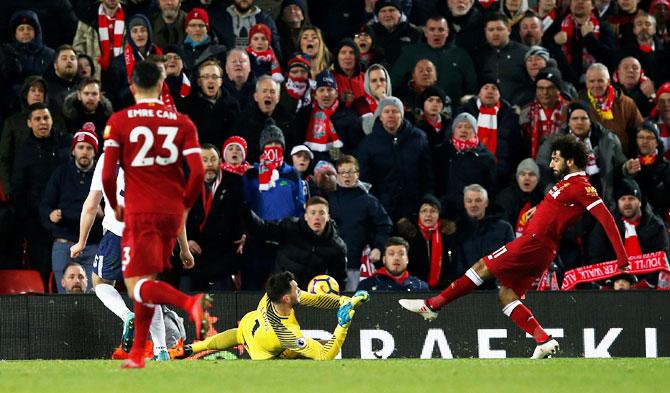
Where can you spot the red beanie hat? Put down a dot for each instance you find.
(198, 13)
(236, 140)
(260, 28)
(86, 134)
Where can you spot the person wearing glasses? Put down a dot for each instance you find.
(361, 219)
(212, 108)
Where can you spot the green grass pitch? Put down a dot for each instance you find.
(340, 376)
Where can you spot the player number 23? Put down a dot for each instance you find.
(141, 159)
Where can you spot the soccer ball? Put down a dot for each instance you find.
(323, 284)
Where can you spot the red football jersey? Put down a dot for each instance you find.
(562, 207)
(153, 141)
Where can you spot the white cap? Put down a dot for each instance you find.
(298, 148)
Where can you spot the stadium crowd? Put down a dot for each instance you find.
(424, 120)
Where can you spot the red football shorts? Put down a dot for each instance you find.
(147, 242)
(520, 262)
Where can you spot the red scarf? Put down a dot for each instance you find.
(486, 3)
(521, 220)
(267, 56)
(298, 89)
(433, 234)
(207, 198)
(548, 282)
(239, 169)
(648, 159)
(270, 161)
(603, 105)
(646, 48)
(372, 104)
(487, 126)
(541, 124)
(321, 133)
(110, 27)
(548, 19)
(462, 146)
(631, 242)
(640, 264)
(130, 60)
(437, 125)
(570, 28)
(399, 279)
(166, 97)
(185, 88)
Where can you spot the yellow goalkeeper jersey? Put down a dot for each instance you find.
(266, 334)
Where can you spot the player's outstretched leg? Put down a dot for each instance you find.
(224, 340)
(525, 320)
(158, 292)
(157, 331)
(111, 298)
(143, 316)
(462, 286)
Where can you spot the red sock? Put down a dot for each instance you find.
(524, 319)
(458, 288)
(143, 316)
(158, 292)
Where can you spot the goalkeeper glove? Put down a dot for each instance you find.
(345, 314)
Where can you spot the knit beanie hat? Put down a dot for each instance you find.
(322, 166)
(260, 28)
(464, 117)
(325, 79)
(271, 133)
(435, 91)
(236, 140)
(86, 134)
(387, 3)
(528, 165)
(432, 200)
(390, 100)
(198, 13)
(627, 187)
(537, 50)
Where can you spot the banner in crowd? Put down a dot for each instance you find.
(640, 264)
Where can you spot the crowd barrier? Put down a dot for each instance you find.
(587, 324)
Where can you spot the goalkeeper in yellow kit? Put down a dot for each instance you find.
(272, 331)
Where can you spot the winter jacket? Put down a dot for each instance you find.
(468, 29)
(303, 252)
(59, 88)
(196, 55)
(609, 158)
(508, 148)
(87, 41)
(654, 182)
(75, 115)
(506, 65)
(360, 219)
(34, 163)
(172, 34)
(478, 238)
(67, 190)
(232, 30)
(285, 199)
(395, 41)
(455, 70)
(420, 251)
(250, 124)
(650, 231)
(399, 167)
(214, 120)
(625, 122)
(346, 124)
(383, 282)
(455, 170)
(511, 201)
(435, 137)
(217, 231)
(244, 96)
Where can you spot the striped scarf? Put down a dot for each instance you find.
(110, 27)
(603, 105)
(487, 125)
(540, 125)
(568, 26)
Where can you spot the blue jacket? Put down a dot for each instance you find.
(399, 167)
(285, 199)
(381, 281)
(360, 220)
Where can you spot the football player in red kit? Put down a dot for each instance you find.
(518, 263)
(150, 141)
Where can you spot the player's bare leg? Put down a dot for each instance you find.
(428, 308)
(524, 319)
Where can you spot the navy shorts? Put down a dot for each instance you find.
(107, 264)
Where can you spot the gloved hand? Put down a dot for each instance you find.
(359, 297)
(345, 314)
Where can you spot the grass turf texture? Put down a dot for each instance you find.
(359, 376)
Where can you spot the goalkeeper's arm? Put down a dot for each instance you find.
(322, 300)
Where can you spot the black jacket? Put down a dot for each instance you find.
(67, 190)
(75, 115)
(399, 167)
(303, 252)
(213, 120)
(510, 201)
(34, 163)
(346, 124)
(221, 228)
(455, 170)
(394, 41)
(244, 96)
(360, 220)
(654, 182)
(251, 123)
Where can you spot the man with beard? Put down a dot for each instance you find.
(519, 263)
(62, 204)
(232, 24)
(466, 22)
(74, 279)
(394, 275)
(169, 23)
(642, 230)
(63, 79)
(87, 105)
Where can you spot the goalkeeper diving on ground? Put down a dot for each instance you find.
(272, 330)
